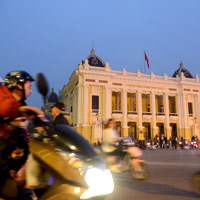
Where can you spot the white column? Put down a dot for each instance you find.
(153, 111)
(167, 126)
(107, 102)
(197, 115)
(184, 117)
(85, 105)
(139, 108)
(75, 106)
(124, 108)
(196, 108)
(166, 110)
(79, 105)
(180, 109)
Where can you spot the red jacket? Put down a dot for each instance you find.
(8, 104)
(8, 109)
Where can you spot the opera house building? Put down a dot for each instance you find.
(143, 105)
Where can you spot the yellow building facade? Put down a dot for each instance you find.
(142, 105)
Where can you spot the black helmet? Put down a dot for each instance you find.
(17, 77)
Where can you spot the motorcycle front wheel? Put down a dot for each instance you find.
(196, 183)
(143, 174)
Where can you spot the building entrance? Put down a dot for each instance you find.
(160, 129)
(147, 130)
(132, 130)
(118, 127)
(174, 129)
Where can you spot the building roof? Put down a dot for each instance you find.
(53, 97)
(94, 60)
(186, 73)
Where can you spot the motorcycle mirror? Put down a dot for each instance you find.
(42, 85)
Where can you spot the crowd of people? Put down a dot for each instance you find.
(161, 142)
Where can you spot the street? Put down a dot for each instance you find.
(171, 172)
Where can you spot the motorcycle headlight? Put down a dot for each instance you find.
(100, 182)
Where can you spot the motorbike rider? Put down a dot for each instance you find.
(57, 112)
(110, 136)
(13, 139)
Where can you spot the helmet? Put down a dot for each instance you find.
(17, 77)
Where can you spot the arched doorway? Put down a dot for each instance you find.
(161, 129)
(118, 127)
(174, 129)
(132, 131)
(147, 130)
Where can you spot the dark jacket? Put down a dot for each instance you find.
(60, 119)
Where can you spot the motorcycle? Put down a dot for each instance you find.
(67, 166)
(128, 159)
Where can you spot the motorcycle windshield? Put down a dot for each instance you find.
(46, 155)
(68, 138)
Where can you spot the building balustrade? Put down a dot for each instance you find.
(132, 115)
(95, 110)
(173, 114)
(117, 112)
(160, 113)
(160, 116)
(146, 113)
(132, 112)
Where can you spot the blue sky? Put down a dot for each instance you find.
(54, 36)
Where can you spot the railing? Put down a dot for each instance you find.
(160, 113)
(146, 113)
(173, 114)
(116, 111)
(95, 110)
(132, 113)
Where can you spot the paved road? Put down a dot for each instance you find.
(171, 172)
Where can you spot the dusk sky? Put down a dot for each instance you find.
(54, 36)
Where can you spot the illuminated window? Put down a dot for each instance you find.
(95, 104)
(159, 104)
(131, 103)
(172, 105)
(190, 109)
(116, 102)
(146, 108)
